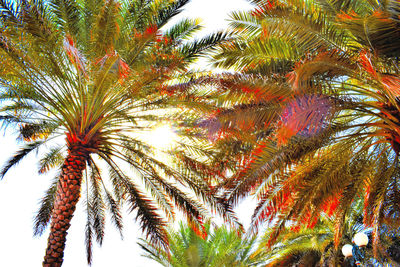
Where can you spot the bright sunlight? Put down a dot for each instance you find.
(162, 136)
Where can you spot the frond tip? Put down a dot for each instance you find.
(22, 153)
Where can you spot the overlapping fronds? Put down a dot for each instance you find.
(210, 246)
(52, 159)
(96, 76)
(68, 15)
(302, 246)
(321, 145)
(169, 11)
(275, 35)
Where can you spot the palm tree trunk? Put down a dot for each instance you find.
(67, 195)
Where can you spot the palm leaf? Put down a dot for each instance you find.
(68, 16)
(42, 217)
(171, 10)
(23, 152)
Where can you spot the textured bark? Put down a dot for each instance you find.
(67, 195)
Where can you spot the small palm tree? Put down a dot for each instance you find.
(314, 246)
(97, 73)
(303, 247)
(319, 94)
(208, 246)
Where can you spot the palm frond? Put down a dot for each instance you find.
(151, 222)
(191, 50)
(9, 11)
(88, 241)
(96, 206)
(19, 155)
(114, 209)
(106, 29)
(171, 10)
(35, 19)
(51, 159)
(183, 30)
(68, 16)
(42, 217)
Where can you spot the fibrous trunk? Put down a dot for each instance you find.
(67, 195)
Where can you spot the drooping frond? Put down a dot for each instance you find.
(169, 11)
(24, 151)
(151, 222)
(96, 205)
(115, 211)
(53, 158)
(43, 215)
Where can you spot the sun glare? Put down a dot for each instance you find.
(162, 137)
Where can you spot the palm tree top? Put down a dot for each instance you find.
(96, 73)
(317, 118)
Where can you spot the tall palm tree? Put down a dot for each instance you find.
(97, 73)
(319, 94)
(208, 246)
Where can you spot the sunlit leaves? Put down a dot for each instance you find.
(92, 76)
(209, 246)
(317, 151)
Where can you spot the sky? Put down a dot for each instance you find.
(22, 188)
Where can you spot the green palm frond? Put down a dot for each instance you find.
(43, 215)
(274, 53)
(9, 11)
(245, 22)
(137, 13)
(336, 7)
(183, 30)
(53, 158)
(169, 11)
(190, 50)
(207, 246)
(106, 29)
(68, 15)
(19, 155)
(304, 245)
(90, 10)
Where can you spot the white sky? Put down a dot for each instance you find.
(22, 188)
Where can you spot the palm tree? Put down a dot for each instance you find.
(98, 73)
(305, 246)
(319, 94)
(208, 246)
(314, 246)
